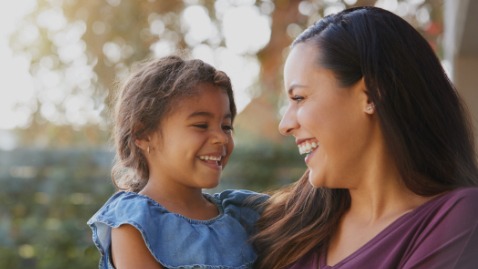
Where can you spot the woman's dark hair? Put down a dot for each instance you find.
(424, 122)
(145, 99)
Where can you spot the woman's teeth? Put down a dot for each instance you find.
(307, 147)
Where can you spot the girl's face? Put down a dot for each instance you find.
(330, 123)
(194, 141)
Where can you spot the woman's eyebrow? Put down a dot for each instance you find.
(294, 86)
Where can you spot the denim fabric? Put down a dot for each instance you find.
(178, 242)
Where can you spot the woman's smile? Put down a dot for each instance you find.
(308, 147)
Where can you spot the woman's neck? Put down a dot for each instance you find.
(374, 206)
(383, 202)
(379, 192)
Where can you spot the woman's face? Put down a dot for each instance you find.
(331, 124)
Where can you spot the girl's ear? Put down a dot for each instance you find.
(143, 142)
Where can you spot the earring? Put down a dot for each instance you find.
(370, 108)
(148, 150)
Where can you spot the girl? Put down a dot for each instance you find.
(392, 173)
(173, 137)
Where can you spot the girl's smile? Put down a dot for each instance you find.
(213, 160)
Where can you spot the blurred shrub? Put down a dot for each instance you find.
(262, 166)
(47, 197)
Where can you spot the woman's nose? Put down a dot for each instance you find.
(288, 123)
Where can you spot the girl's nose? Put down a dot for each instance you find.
(220, 137)
(288, 123)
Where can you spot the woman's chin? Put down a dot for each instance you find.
(315, 180)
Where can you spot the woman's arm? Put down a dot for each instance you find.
(129, 251)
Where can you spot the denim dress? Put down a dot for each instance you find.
(176, 241)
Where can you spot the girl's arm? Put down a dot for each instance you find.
(128, 250)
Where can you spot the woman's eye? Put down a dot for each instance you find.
(297, 98)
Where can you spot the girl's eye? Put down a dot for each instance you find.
(201, 126)
(297, 98)
(227, 128)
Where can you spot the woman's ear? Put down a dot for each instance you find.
(368, 105)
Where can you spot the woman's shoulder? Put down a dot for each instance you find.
(463, 198)
(454, 210)
(442, 216)
(465, 192)
(442, 228)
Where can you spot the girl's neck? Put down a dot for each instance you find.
(189, 202)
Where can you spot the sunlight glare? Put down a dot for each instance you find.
(196, 20)
(17, 83)
(246, 35)
(390, 5)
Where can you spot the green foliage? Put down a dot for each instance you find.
(48, 195)
(46, 200)
(263, 166)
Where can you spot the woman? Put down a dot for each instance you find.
(392, 174)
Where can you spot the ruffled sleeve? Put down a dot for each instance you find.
(121, 208)
(176, 241)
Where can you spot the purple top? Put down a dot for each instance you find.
(442, 233)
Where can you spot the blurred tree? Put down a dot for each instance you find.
(82, 48)
(110, 37)
(288, 20)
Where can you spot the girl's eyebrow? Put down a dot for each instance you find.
(207, 114)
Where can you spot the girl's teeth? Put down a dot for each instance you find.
(212, 158)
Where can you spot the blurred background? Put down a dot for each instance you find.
(60, 62)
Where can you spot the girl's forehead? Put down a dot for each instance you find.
(202, 98)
